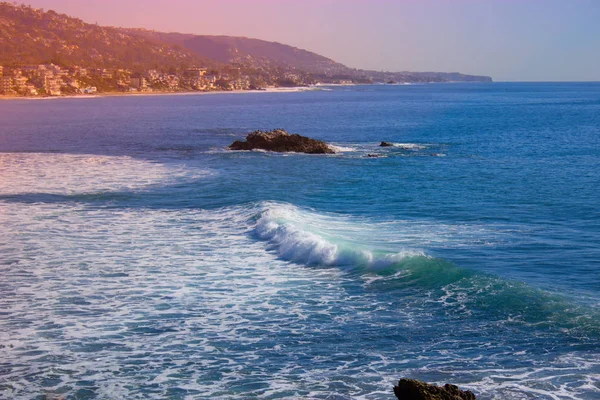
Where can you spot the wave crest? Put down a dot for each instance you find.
(317, 239)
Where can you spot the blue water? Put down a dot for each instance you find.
(141, 259)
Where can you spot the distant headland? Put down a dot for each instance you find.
(44, 53)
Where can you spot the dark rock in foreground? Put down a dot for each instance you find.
(410, 389)
(386, 144)
(281, 141)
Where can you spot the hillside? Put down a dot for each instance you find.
(261, 54)
(254, 53)
(31, 36)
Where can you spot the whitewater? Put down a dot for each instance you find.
(142, 259)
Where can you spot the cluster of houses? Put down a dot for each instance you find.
(44, 79)
(54, 80)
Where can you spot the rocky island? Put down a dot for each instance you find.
(279, 140)
(411, 389)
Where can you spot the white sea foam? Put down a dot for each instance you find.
(343, 149)
(164, 288)
(568, 377)
(288, 89)
(68, 174)
(410, 146)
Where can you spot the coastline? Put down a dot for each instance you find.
(293, 89)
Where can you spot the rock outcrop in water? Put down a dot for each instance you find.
(410, 389)
(280, 141)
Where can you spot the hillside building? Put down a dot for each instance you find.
(138, 83)
(6, 85)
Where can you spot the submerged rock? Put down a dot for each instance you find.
(410, 389)
(386, 144)
(280, 141)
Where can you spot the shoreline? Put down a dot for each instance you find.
(293, 89)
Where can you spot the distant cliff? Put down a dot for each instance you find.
(260, 54)
(254, 53)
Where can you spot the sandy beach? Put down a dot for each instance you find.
(118, 94)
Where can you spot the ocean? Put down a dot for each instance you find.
(141, 259)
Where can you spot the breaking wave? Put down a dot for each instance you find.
(310, 238)
(319, 239)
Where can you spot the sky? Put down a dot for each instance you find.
(510, 40)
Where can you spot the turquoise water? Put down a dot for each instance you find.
(141, 259)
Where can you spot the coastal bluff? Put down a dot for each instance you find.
(411, 389)
(279, 140)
